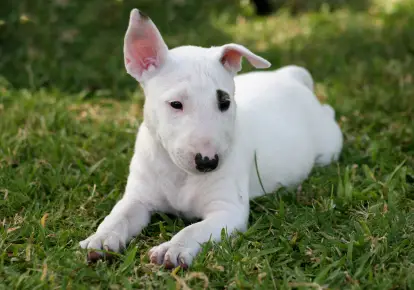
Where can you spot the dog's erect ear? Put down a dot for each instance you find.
(144, 49)
(231, 57)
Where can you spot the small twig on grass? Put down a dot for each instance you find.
(182, 281)
(44, 272)
(43, 220)
(257, 171)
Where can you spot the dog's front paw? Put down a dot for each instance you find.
(172, 255)
(109, 242)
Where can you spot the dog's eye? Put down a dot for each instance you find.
(223, 100)
(176, 105)
(224, 105)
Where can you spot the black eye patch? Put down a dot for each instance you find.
(223, 100)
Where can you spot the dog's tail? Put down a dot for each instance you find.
(300, 74)
(303, 76)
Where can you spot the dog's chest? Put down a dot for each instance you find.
(186, 199)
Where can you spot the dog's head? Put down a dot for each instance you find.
(189, 93)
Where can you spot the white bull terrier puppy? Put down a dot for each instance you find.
(204, 132)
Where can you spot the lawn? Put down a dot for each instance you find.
(69, 115)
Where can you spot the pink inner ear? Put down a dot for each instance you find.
(142, 50)
(232, 54)
(231, 58)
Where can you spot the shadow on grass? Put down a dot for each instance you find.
(300, 6)
(360, 62)
(76, 45)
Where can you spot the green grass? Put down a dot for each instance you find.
(69, 113)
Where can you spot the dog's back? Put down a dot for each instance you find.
(289, 129)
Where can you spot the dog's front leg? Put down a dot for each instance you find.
(185, 245)
(128, 217)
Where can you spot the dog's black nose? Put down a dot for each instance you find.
(206, 164)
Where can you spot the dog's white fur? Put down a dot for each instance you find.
(274, 118)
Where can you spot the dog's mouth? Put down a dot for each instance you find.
(204, 170)
(198, 171)
(195, 170)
